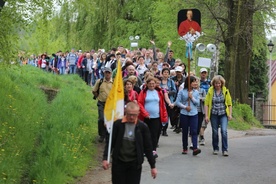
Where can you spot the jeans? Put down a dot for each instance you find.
(185, 123)
(221, 120)
(94, 77)
(72, 69)
(62, 70)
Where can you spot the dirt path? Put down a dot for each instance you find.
(97, 175)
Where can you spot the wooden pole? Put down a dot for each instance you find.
(189, 69)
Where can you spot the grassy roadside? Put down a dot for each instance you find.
(243, 118)
(44, 141)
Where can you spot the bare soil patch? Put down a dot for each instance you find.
(97, 175)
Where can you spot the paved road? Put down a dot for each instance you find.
(252, 160)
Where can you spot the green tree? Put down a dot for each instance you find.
(258, 73)
(235, 23)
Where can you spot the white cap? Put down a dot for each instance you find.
(178, 69)
(203, 70)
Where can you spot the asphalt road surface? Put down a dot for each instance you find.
(251, 160)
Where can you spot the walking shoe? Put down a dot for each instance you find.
(202, 142)
(165, 133)
(225, 153)
(172, 127)
(215, 152)
(185, 151)
(196, 151)
(154, 154)
(177, 130)
(191, 147)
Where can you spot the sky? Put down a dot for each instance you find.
(272, 33)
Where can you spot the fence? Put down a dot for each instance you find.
(264, 112)
(269, 114)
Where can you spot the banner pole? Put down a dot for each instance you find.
(189, 69)
(110, 138)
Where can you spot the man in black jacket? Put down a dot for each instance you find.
(130, 140)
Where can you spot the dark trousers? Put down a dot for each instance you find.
(170, 114)
(200, 119)
(86, 73)
(101, 127)
(174, 116)
(126, 173)
(80, 73)
(186, 122)
(89, 79)
(154, 125)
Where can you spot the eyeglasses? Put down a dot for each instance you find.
(133, 115)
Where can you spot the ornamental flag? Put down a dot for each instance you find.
(114, 106)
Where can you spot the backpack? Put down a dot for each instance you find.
(205, 85)
(101, 81)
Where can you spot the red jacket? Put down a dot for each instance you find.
(132, 95)
(79, 61)
(162, 106)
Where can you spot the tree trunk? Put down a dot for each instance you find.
(238, 53)
(2, 3)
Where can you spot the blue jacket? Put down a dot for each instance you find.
(171, 89)
(205, 85)
(182, 102)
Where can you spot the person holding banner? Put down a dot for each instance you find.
(188, 100)
(130, 140)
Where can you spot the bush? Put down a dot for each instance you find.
(243, 118)
(45, 137)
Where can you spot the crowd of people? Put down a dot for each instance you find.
(165, 96)
(159, 94)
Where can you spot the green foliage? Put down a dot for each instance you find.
(243, 119)
(21, 108)
(44, 141)
(258, 73)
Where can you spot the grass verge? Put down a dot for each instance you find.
(42, 139)
(243, 119)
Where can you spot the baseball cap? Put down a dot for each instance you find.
(203, 70)
(107, 69)
(178, 69)
(118, 53)
(166, 64)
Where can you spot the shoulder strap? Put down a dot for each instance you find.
(100, 83)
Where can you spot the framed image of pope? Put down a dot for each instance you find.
(189, 22)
